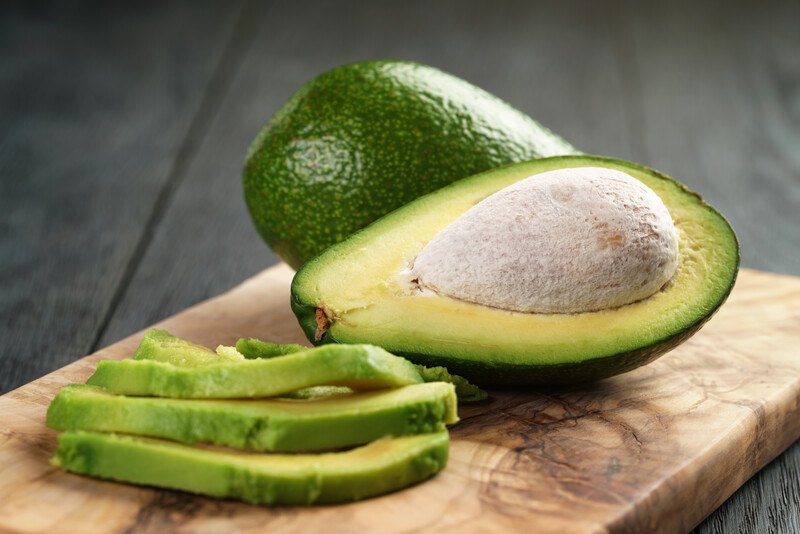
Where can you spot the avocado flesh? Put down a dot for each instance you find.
(364, 139)
(465, 391)
(162, 346)
(255, 348)
(381, 467)
(360, 367)
(280, 425)
(356, 285)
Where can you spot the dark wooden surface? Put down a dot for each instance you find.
(123, 128)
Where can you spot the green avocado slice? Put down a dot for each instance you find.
(465, 391)
(281, 425)
(360, 367)
(354, 292)
(160, 345)
(255, 348)
(381, 467)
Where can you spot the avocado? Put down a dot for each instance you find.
(318, 392)
(358, 292)
(364, 139)
(383, 466)
(281, 425)
(162, 346)
(255, 348)
(361, 367)
(465, 391)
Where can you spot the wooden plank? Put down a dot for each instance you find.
(95, 103)
(654, 450)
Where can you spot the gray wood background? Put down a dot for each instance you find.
(123, 128)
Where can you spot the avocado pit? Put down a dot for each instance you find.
(565, 241)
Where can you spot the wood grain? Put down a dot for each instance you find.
(654, 450)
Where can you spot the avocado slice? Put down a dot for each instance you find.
(352, 293)
(261, 425)
(465, 391)
(383, 466)
(363, 139)
(360, 367)
(162, 346)
(255, 348)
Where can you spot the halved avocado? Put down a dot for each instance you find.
(352, 293)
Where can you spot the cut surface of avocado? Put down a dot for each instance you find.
(281, 425)
(465, 391)
(360, 367)
(160, 345)
(357, 292)
(255, 348)
(383, 466)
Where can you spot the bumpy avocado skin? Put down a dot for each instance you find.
(364, 139)
(380, 467)
(490, 372)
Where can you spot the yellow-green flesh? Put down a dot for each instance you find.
(380, 467)
(356, 283)
(263, 424)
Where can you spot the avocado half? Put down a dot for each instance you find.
(352, 293)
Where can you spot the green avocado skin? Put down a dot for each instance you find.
(380, 467)
(364, 139)
(356, 366)
(260, 425)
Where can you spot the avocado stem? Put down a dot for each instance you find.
(322, 323)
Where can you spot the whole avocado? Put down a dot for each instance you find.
(362, 140)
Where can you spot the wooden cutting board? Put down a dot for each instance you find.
(656, 449)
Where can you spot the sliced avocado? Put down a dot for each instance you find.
(360, 367)
(319, 392)
(381, 467)
(465, 391)
(255, 348)
(160, 345)
(262, 425)
(364, 139)
(354, 292)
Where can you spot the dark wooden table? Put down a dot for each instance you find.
(123, 129)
